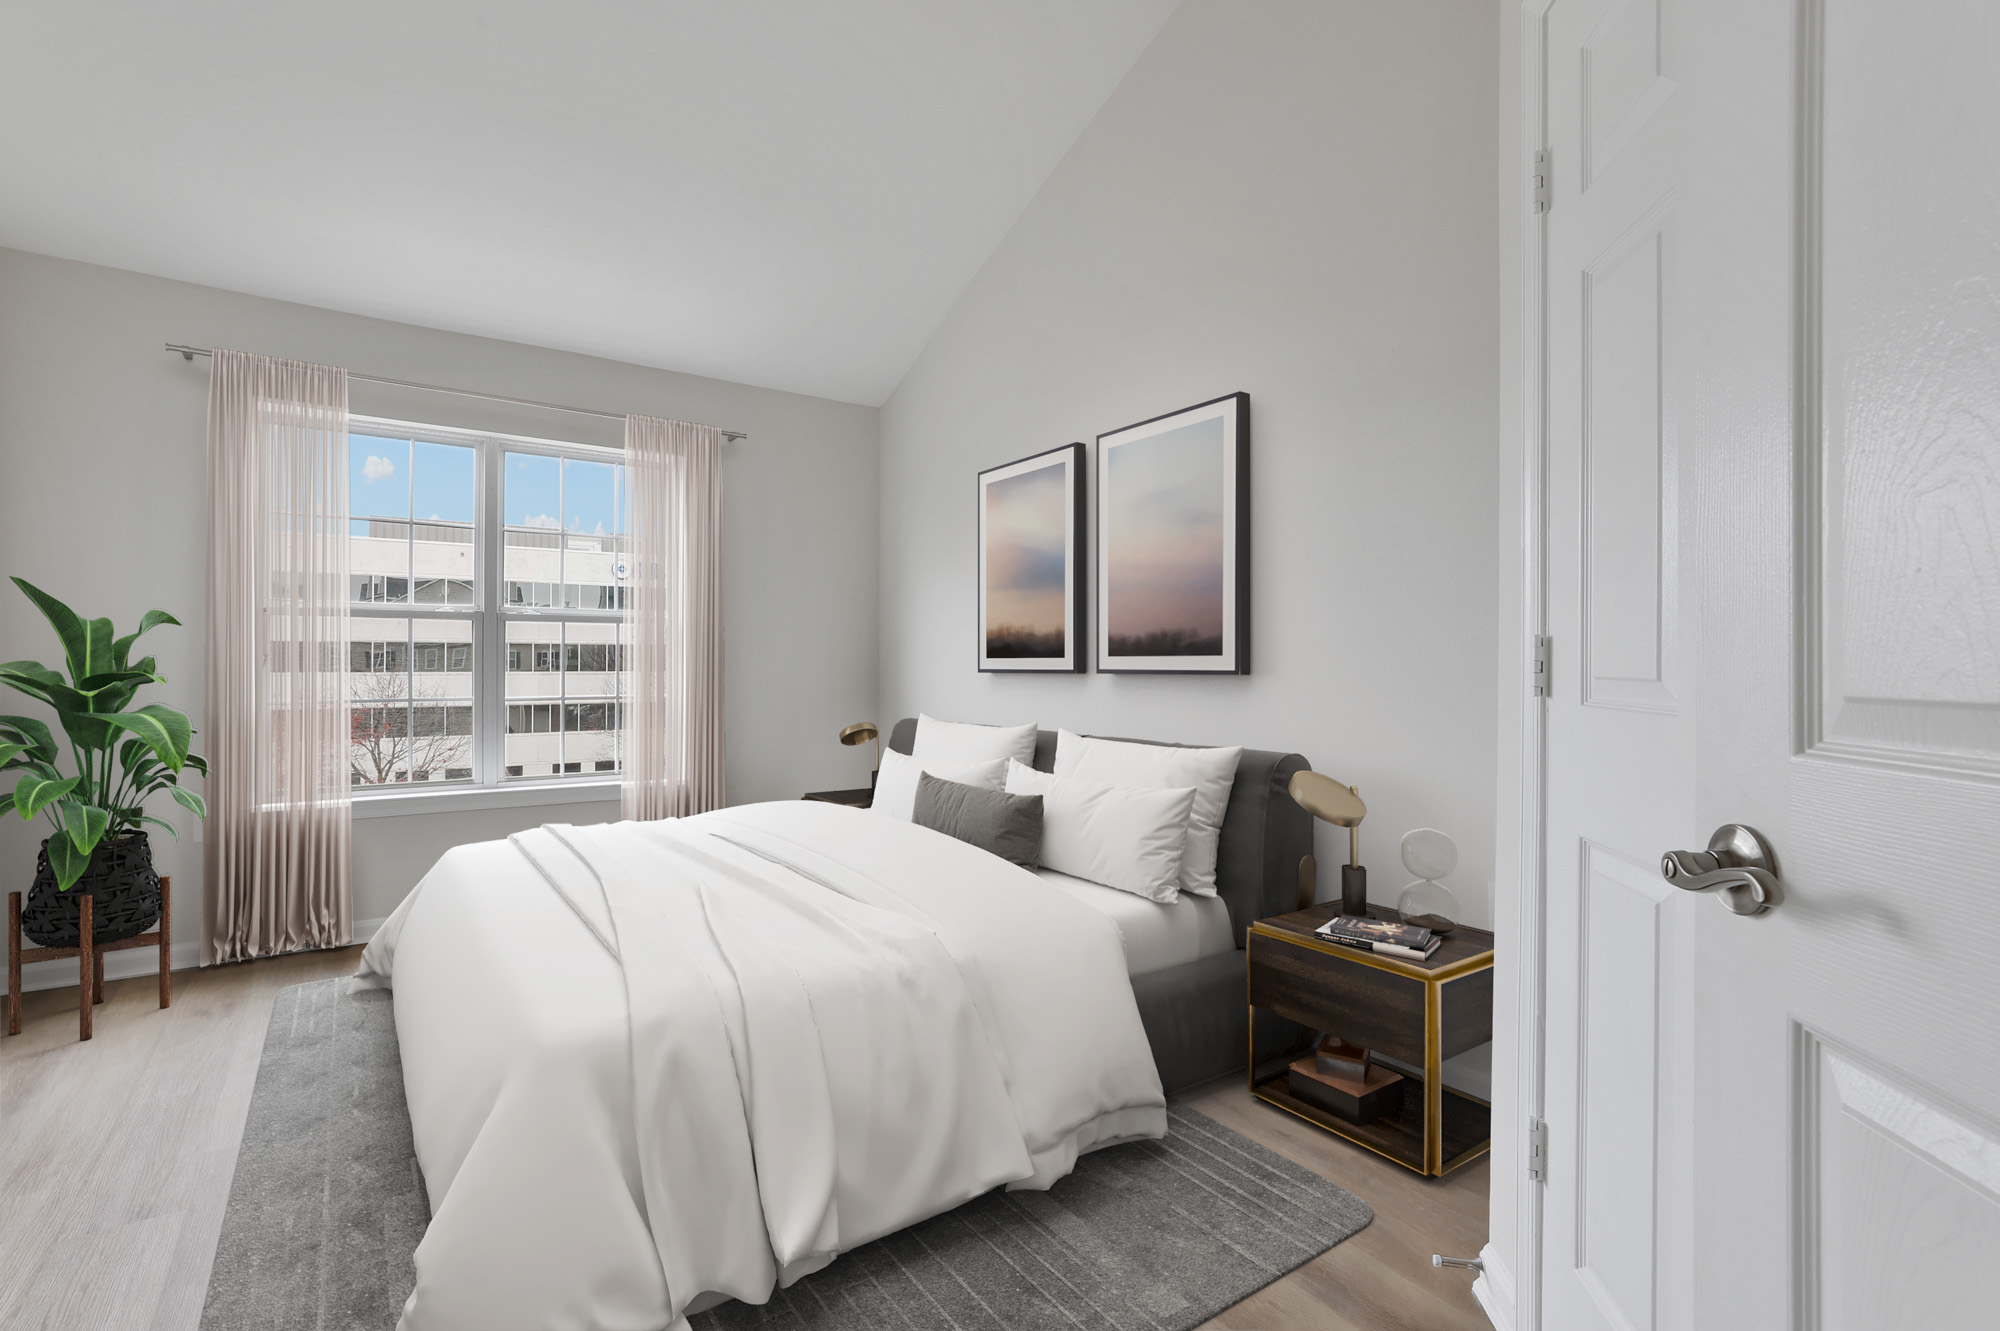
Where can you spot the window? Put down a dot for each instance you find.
(487, 578)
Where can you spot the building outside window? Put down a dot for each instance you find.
(487, 576)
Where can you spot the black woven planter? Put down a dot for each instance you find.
(124, 892)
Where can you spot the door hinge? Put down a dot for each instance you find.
(1538, 667)
(1538, 183)
(1538, 1150)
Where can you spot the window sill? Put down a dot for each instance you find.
(402, 803)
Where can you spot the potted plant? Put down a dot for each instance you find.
(121, 757)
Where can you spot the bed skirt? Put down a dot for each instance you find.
(1197, 1020)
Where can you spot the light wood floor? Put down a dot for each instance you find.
(116, 1158)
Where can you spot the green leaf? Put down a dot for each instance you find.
(114, 690)
(165, 731)
(73, 633)
(85, 823)
(87, 732)
(198, 763)
(72, 708)
(35, 765)
(6, 801)
(97, 638)
(35, 791)
(67, 861)
(8, 749)
(190, 801)
(161, 823)
(35, 734)
(123, 647)
(98, 683)
(32, 678)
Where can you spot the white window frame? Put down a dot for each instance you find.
(489, 616)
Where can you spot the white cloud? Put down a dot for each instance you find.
(376, 469)
(542, 520)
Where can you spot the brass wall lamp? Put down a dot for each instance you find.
(1330, 802)
(860, 733)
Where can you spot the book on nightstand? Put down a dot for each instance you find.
(1383, 936)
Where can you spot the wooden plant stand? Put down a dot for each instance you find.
(89, 956)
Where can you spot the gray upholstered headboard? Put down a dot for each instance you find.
(1264, 834)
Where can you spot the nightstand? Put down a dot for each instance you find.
(859, 799)
(1418, 1013)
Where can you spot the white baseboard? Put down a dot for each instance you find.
(137, 962)
(1495, 1290)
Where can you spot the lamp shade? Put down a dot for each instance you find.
(861, 732)
(1326, 799)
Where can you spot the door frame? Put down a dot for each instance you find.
(1509, 1286)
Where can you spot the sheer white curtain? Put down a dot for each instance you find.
(673, 619)
(277, 836)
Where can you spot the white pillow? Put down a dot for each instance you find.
(896, 784)
(1119, 836)
(1210, 771)
(957, 742)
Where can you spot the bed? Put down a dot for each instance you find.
(651, 1067)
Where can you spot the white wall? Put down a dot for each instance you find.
(1293, 198)
(102, 499)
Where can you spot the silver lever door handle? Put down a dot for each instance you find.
(1738, 863)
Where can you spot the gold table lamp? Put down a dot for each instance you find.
(860, 733)
(1331, 802)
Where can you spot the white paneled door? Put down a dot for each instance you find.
(1770, 431)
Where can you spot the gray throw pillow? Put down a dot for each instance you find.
(1009, 826)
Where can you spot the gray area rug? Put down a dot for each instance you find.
(328, 1205)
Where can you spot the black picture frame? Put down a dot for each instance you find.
(1008, 513)
(1198, 549)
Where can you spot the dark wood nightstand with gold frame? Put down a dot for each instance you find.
(1418, 1013)
(854, 799)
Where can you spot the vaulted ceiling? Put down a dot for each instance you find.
(789, 193)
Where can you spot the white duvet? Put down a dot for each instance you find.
(654, 1065)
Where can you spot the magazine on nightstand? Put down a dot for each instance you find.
(1371, 935)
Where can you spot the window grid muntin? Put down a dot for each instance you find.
(489, 616)
(563, 707)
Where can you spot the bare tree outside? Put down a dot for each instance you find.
(383, 750)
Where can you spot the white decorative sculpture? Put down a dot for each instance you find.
(1430, 855)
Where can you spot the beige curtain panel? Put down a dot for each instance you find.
(277, 849)
(673, 619)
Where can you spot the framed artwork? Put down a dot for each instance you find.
(1031, 581)
(1173, 542)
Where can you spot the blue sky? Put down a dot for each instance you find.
(379, 480)
(541, 491)
(581, 496)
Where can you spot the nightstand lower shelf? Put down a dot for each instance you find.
(1399, 1136)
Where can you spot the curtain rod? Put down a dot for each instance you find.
(189, 353)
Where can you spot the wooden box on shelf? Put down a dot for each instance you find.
(1379, 1091)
